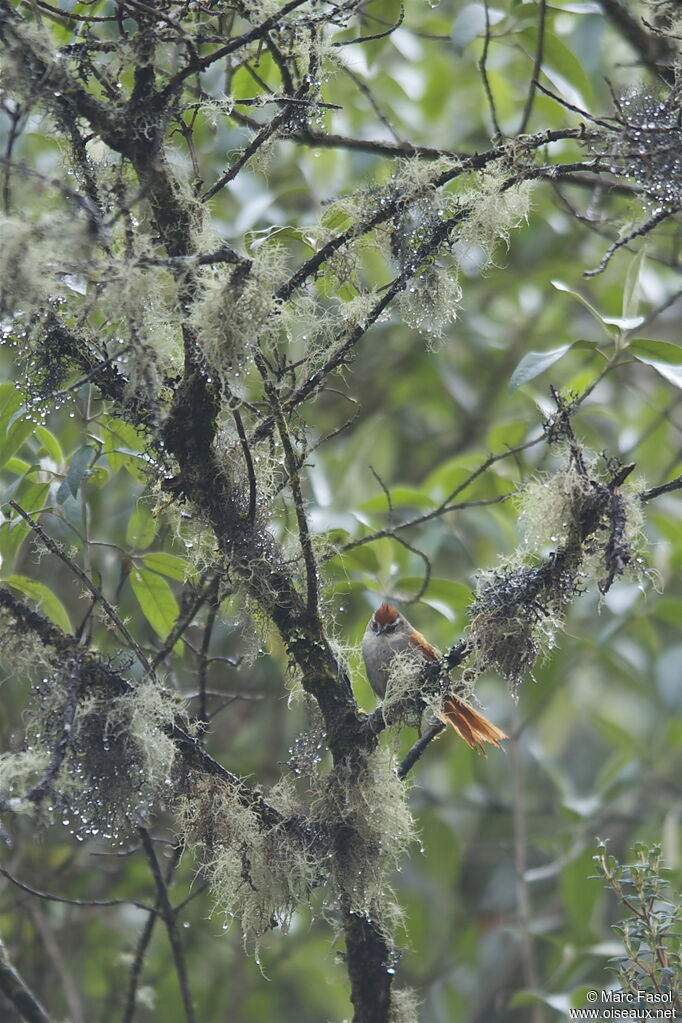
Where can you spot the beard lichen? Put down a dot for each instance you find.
(346, 834)
(595, 531)
(259, 872)
(361, 808)
(119, 760)
(405, 692)
(236, 311)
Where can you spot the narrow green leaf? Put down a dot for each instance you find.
(18, 466)
(18, 432)
(47, 601)
(10, 401)
(631, 290)
(156, 599)
(557, 57)
(601, 320)
(123, 446)
(31, 497)
(50, 443)
(535, 363)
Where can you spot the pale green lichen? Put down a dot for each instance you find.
(493, 210)
(259, 873)
(550, 504)
(404, 690)
(119, 761)
(36, 259)
(20, 770)
(236, 310)
(404, 1006)
(361, 804)
(431, 301)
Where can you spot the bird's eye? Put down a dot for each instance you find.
(375, 627)
(391, 628)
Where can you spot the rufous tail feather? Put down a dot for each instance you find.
(467, 722)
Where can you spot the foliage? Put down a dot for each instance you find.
(305, 306)
(650, 932)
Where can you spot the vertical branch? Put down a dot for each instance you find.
(54, 952)
(523, 908)
(143, 943)
(213, 605)
(537, 67)
(293, 469)
(483, 68)
(14, 987)
(169, 915)
(246, 451)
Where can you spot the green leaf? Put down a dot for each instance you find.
(19, 431)
(631, 290)
(559, 63)
(79, 463)
(156, 600)
(10, 401)
(601, 320)
(47, 601)
(336, 219)
(253, 240)
(663, 356)
(141, 528)
(50, 443)
(171, 565)
(450, 475)
(18, 466)
(535, 363)
(31, 497)
(123, 446)
(363, 558)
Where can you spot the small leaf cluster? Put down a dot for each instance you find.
(651, 934)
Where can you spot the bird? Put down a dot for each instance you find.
(388, 634)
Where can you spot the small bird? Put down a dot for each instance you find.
(389, 633)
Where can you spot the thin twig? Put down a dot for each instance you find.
(250, 471)
(637, 232)
(292, 464)
(537, 67)
(15, 988)
(49, 897)
(377, 35)
(170, 919)
(483, 68)
(55, 549)
(663, 488)
(143, 943)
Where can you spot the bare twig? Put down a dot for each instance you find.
(663, 488)
(637, 232)
(483, 68)
(14, 987)
(55, 549)
(537, 67)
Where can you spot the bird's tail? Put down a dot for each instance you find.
(470, 724)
